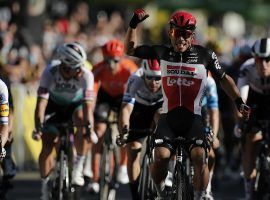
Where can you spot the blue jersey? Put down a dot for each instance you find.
(210, 99)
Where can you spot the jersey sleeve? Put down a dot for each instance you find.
(129, 95)
(213, 65)
(149, 52)
(45, 83)
(4, 107)
(211, 94)
(88, 86)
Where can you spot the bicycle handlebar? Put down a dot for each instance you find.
(132, 135)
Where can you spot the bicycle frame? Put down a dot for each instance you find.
(108, 179)
(64, 162)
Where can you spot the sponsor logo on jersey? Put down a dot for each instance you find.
(68, 86)
(2, 97)
(176, 70)
(179, 81)
(214, 57)
(4, 110)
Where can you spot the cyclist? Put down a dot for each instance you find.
(141, 101)
(111, 76)
(254, 86)
(210, 114)
(65, 93)
(184, 67)
(4, 120)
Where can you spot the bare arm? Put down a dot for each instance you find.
(125, 112)
(214, 120)
(40, 111)
(88, 110)
(228, 85)
(130, 41)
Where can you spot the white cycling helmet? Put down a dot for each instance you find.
(261, 48)
(72, 54)
(151, 67)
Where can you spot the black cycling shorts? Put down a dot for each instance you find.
(142, 116)
(179, 122)
(56, 113)
(104, 104)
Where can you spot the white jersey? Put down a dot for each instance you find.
(63, 91)
(138, 92)
(4, 107)
(249, 78)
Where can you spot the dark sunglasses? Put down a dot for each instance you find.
(69, 69)
(267, 59)
(153, 78)
(110, 60)
(177, 32)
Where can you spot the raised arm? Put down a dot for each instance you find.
(139, 15)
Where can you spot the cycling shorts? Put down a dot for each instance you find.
(142, 116)
(56, 113)
(104, 104)
(179, 122)
(260, 111)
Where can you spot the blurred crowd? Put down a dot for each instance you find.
(29, 37)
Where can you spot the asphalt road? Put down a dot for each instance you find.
(26, 186)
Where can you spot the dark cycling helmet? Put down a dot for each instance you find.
(261, 48)
(151, 67)
(183, 19)
(113, 48)
(72, 54)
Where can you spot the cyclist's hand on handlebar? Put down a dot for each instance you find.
(122, 137)
(90, 135)
(139, 15)
(36, 135)
(243, 108)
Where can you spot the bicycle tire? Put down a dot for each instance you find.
(104, 174)
(262, 183)
(181, 186)
(60, 184)
(146, 186)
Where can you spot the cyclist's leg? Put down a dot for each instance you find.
(82, 146)
(211, 165)
(198, 154)
(133, 166)
(250, 151)
(101, 115)
(162, 154)
(46, 161)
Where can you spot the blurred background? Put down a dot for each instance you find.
(30, 31)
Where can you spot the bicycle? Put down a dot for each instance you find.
(110, 161)
(146, 188)
(262, 180)
(60, 186)
(182, 188)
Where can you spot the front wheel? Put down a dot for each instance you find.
(181, 188)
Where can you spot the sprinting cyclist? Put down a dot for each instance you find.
(141, 101)
(184, 68)
(210, 115)
(65, 93)
(111, 76)
(254, 85)
(4, 120)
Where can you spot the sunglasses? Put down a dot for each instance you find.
(266, 59)
(153, 78)
(177, 32)
(110, 60)
(69, 69)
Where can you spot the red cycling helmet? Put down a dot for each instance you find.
(151, 67)
(182, 19)
(113, 48)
